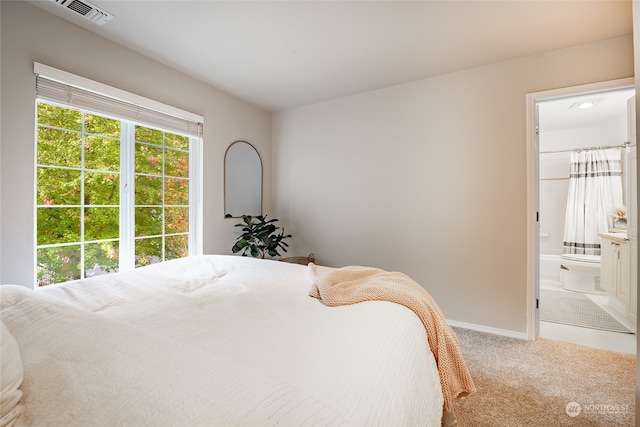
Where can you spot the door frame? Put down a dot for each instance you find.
(533, 225)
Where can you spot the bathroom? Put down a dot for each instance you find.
(565, 126)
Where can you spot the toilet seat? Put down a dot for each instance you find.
(582, 258)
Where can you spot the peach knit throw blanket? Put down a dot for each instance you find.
(353, 284)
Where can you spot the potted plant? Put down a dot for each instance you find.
(260, 237)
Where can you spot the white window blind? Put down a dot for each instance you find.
(60, 90)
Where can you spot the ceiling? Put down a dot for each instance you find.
(562, 113)
(285, 54)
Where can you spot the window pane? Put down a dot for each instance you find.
(148, 159)
(58, 225)
(148, 221)
(59, 148)
(101, 258)
(176, 191)
(101, 223)
(148, 135)
(101, 125)
(59, 117)
(58, 187)
(176, 220)
(176, 141)
(57, 265)
(148, 251)
(101, 153)
(148, 190)
(176, 163)
(101, 188)
(176, 247)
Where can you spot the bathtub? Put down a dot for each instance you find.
(550, 267)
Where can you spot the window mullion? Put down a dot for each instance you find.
(83, 207)
(127, 196)
(195, 197)
(164, 204)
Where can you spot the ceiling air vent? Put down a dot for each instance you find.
(86, 9)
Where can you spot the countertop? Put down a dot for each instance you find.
(616, 237)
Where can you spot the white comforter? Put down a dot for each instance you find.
(217, 341)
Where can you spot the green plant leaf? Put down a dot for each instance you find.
(239, 245)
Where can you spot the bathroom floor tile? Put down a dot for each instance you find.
(615, 341)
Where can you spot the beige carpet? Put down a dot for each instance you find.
(523, 383)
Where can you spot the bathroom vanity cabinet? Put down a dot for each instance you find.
(615, 271)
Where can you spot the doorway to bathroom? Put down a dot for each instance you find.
(571, 299)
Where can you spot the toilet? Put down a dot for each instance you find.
(583, 274)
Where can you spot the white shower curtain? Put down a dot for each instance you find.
(595, 189)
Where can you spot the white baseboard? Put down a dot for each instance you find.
(489, 330)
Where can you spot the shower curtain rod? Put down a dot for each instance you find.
(625, 144)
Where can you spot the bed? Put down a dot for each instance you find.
(212, 340)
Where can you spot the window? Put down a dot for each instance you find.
(77, 194)
(161, 188)
(111, 194)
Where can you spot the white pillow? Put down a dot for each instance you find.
(11, 376)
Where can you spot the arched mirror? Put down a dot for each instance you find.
(242, 180)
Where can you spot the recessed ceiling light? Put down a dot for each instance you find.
(585, 105)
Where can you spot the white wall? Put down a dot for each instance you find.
(429, 178)
(38, 36)
(554, 187)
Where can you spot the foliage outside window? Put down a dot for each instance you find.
(82, 206)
